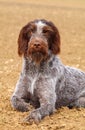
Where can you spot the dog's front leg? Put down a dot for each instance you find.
(21, 95)
(47, 98)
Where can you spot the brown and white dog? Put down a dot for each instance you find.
(45, 82)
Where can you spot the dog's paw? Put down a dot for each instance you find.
(22, 107)
(33, 117)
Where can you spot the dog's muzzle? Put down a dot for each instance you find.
(37, 50)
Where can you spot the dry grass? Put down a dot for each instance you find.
(69, 17)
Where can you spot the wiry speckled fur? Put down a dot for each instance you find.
(55, 85)
(48, 85)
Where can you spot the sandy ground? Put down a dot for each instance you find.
(69, 17)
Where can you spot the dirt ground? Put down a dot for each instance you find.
(69, 17)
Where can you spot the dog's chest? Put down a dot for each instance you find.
(32, 85)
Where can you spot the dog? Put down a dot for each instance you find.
(44, 81)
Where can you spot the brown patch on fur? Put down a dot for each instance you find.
(24, 37)
(53, 38)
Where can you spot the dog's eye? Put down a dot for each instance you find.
(45, 31)
(30, 31)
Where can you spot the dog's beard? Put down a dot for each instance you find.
(38, 56)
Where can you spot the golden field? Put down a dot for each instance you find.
(69, 17)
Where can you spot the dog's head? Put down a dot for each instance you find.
(39, 39)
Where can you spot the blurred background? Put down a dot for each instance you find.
(69, 17)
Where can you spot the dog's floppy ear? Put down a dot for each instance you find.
(55, 39)
(23, 41)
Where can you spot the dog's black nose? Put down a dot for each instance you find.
(36, 44)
